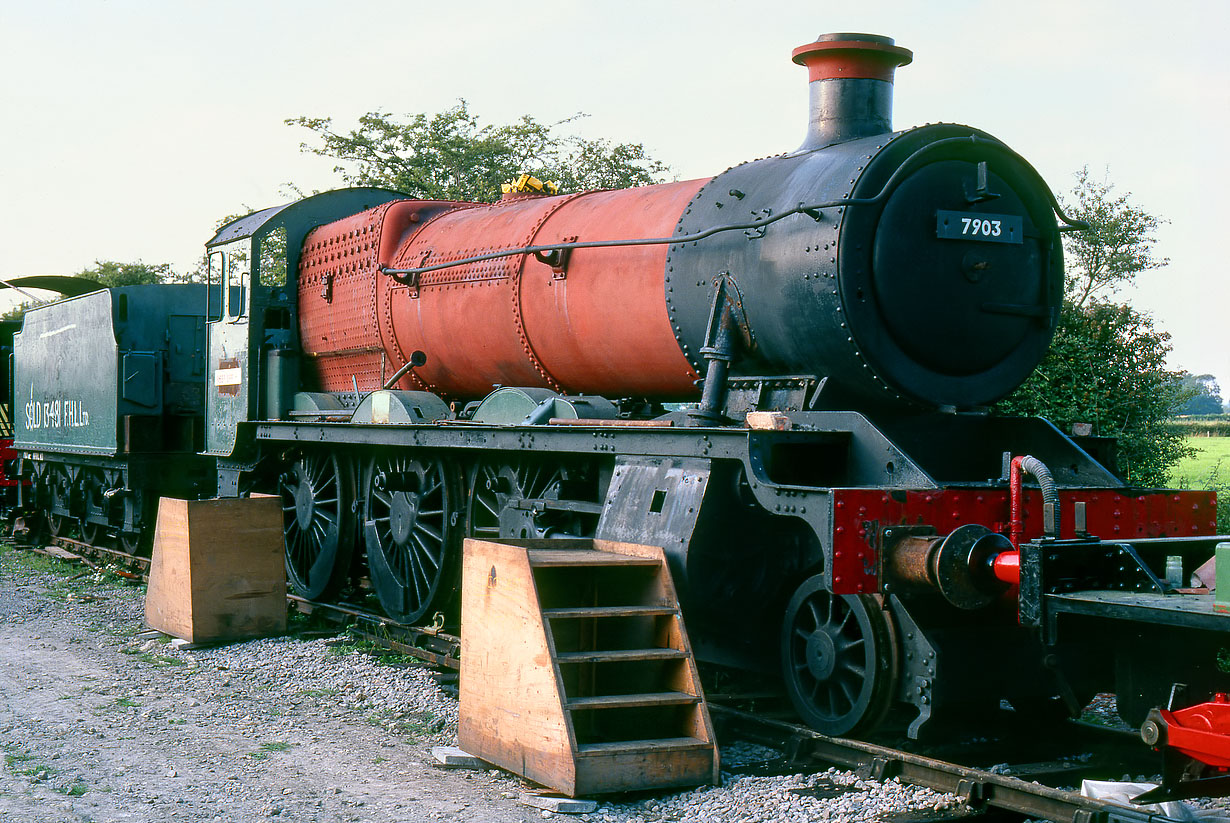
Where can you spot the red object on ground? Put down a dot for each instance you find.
(1201, 732)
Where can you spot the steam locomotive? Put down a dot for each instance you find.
(779, 374)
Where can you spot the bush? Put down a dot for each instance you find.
(1107, 367)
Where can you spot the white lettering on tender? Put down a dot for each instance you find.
(60, 330)
(56, 414)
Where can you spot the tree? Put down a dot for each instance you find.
(1107, 363)
(1117, 246)
(450, 156)
(110, 273)
(19, 311)
(1201, 395)
(1107, 367)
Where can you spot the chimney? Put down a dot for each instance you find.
(850, 86)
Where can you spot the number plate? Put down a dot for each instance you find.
(986, 228)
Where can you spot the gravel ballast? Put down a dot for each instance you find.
(100, 721)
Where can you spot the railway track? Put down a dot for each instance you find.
(65, 548)
(1021, 792)
(1017, 776)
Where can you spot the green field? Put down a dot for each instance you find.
(1208, 468)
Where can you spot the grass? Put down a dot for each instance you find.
(153, 659)
(23, 764)
(13, 559)
(266, 748)
(73, 582)
(1208, 468)
(350, 643)
(416, 725)
(319, 692)
(123, 629)
(14, 760)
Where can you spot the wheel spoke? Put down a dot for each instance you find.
(414, 573)
(530, 487)
(834, 695)
(845, 620)
(849, 690)
(429, 553)
(423, 528)
(814, 608)
(855, 667)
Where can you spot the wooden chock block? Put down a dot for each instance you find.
(218, 569)
(768, 421)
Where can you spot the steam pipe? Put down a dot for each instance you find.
(1022, 465)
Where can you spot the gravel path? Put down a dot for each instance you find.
(98, 723)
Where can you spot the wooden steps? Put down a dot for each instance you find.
(576, 670)
(545, 558)
(619, 655)
(612, 701)
(641, 746)
(611, 611)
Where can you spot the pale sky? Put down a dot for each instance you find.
(131, 126)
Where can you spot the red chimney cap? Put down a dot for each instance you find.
(851, 56)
